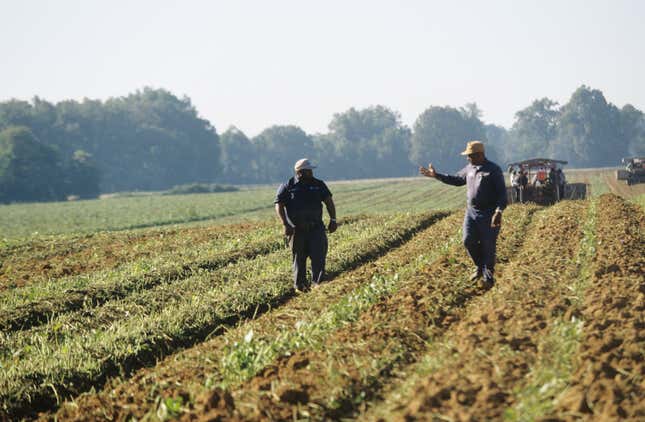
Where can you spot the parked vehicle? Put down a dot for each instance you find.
(541, 180)
(634, 171)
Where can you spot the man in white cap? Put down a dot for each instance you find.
(298, 204)
(486, 199)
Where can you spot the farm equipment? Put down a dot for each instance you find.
(634, 171)
(542, 181)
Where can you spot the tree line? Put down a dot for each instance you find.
(154, 140)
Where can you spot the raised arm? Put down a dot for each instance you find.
(459, 179)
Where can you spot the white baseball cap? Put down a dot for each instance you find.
(303, 164)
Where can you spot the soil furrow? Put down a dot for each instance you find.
(608, 380)
(486, 354)
(69, 381)
(46, 261)
(350, 366)
(191, 372)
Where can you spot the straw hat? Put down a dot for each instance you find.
(473, 147)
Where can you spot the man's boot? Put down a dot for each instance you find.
(488, 281)
(476, 274)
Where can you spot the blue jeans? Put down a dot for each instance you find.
(480, 240)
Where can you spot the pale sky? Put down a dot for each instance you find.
(253, 64)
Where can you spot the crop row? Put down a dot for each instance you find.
(607, 370)
(126, 213)
(72, 355)
(32, 305)
(475, 368)
(141, 292)
(48, 258)
(192, 372)
(147, 296)
(330, 378)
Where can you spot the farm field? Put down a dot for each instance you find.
(148, 317)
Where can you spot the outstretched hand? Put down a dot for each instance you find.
(428, 172)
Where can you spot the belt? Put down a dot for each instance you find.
(309, 226)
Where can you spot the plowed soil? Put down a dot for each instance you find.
(355, 361)
(42, 261)
(609, 381)
(484, 345)
(184, 374)
(496, 341)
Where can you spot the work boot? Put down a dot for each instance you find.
(487, 283)
(302, 288)
(476, 274)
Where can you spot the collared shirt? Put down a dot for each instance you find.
(485, 185)
(303, 200)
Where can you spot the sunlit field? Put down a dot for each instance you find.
(162, 307)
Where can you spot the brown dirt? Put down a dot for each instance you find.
(355, 360)
(185, 373)
(41, 261)
(610, 377)
(496, 342)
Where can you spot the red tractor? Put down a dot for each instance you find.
(542, 181)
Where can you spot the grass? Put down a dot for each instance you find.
(639, 200)
(73, 355)
(127, 213)
(333, 359)
(35, 304)
(246, 358)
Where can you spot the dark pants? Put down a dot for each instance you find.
(310, 244)
(516, 194)
(480, 240)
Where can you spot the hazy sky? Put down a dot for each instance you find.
(257, 63)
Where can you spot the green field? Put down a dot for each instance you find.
(161, 307)
(143, 211)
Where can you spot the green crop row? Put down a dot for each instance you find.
(126, 213)
(142, 292)
(200, 363)
(49, 258)
(435, 287)
(32, 305)
(199, 306)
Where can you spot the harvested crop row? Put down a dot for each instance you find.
(331, 379)
(607, 381)
(147, 295)
(473, 370)
(33, 305)
(185, 317)
(42, 260)
(191, 373)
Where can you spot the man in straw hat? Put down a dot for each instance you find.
(486, 199)
(298, 205)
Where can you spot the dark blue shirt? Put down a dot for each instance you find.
(303, 200)
(485, 184)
